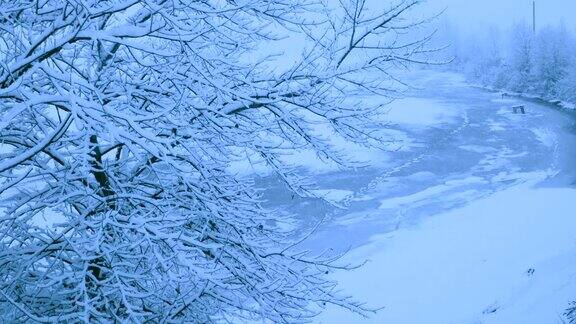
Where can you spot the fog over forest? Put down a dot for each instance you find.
(474, 15)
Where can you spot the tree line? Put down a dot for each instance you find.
(516, 59)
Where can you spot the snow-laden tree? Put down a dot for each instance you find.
(552, 58)
(118, 121)
(520, 65)
(539, 63)
(485, 57)
(566, 88)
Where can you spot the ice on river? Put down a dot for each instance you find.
(488, 235)
(508, 258)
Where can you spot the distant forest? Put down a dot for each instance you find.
(519, 60)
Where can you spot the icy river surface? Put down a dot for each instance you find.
(465, 218)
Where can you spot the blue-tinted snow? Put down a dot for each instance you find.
(452, 225)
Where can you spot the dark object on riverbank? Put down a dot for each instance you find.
(520, 109)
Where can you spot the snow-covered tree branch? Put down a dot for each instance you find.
(118, 120)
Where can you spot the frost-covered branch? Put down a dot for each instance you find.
(118, 122)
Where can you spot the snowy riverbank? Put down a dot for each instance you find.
(477, 226)
(508, 258)
(570, 106)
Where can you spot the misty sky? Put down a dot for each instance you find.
(469, 14)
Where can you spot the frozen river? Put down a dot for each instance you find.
(466, 218)
(457, 143)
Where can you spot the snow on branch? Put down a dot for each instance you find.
(118, 122)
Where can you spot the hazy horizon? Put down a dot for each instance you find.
(472, 15)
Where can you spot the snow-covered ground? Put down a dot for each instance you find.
(469, 220)
(507, 258)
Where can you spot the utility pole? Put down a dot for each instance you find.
(534, 16)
